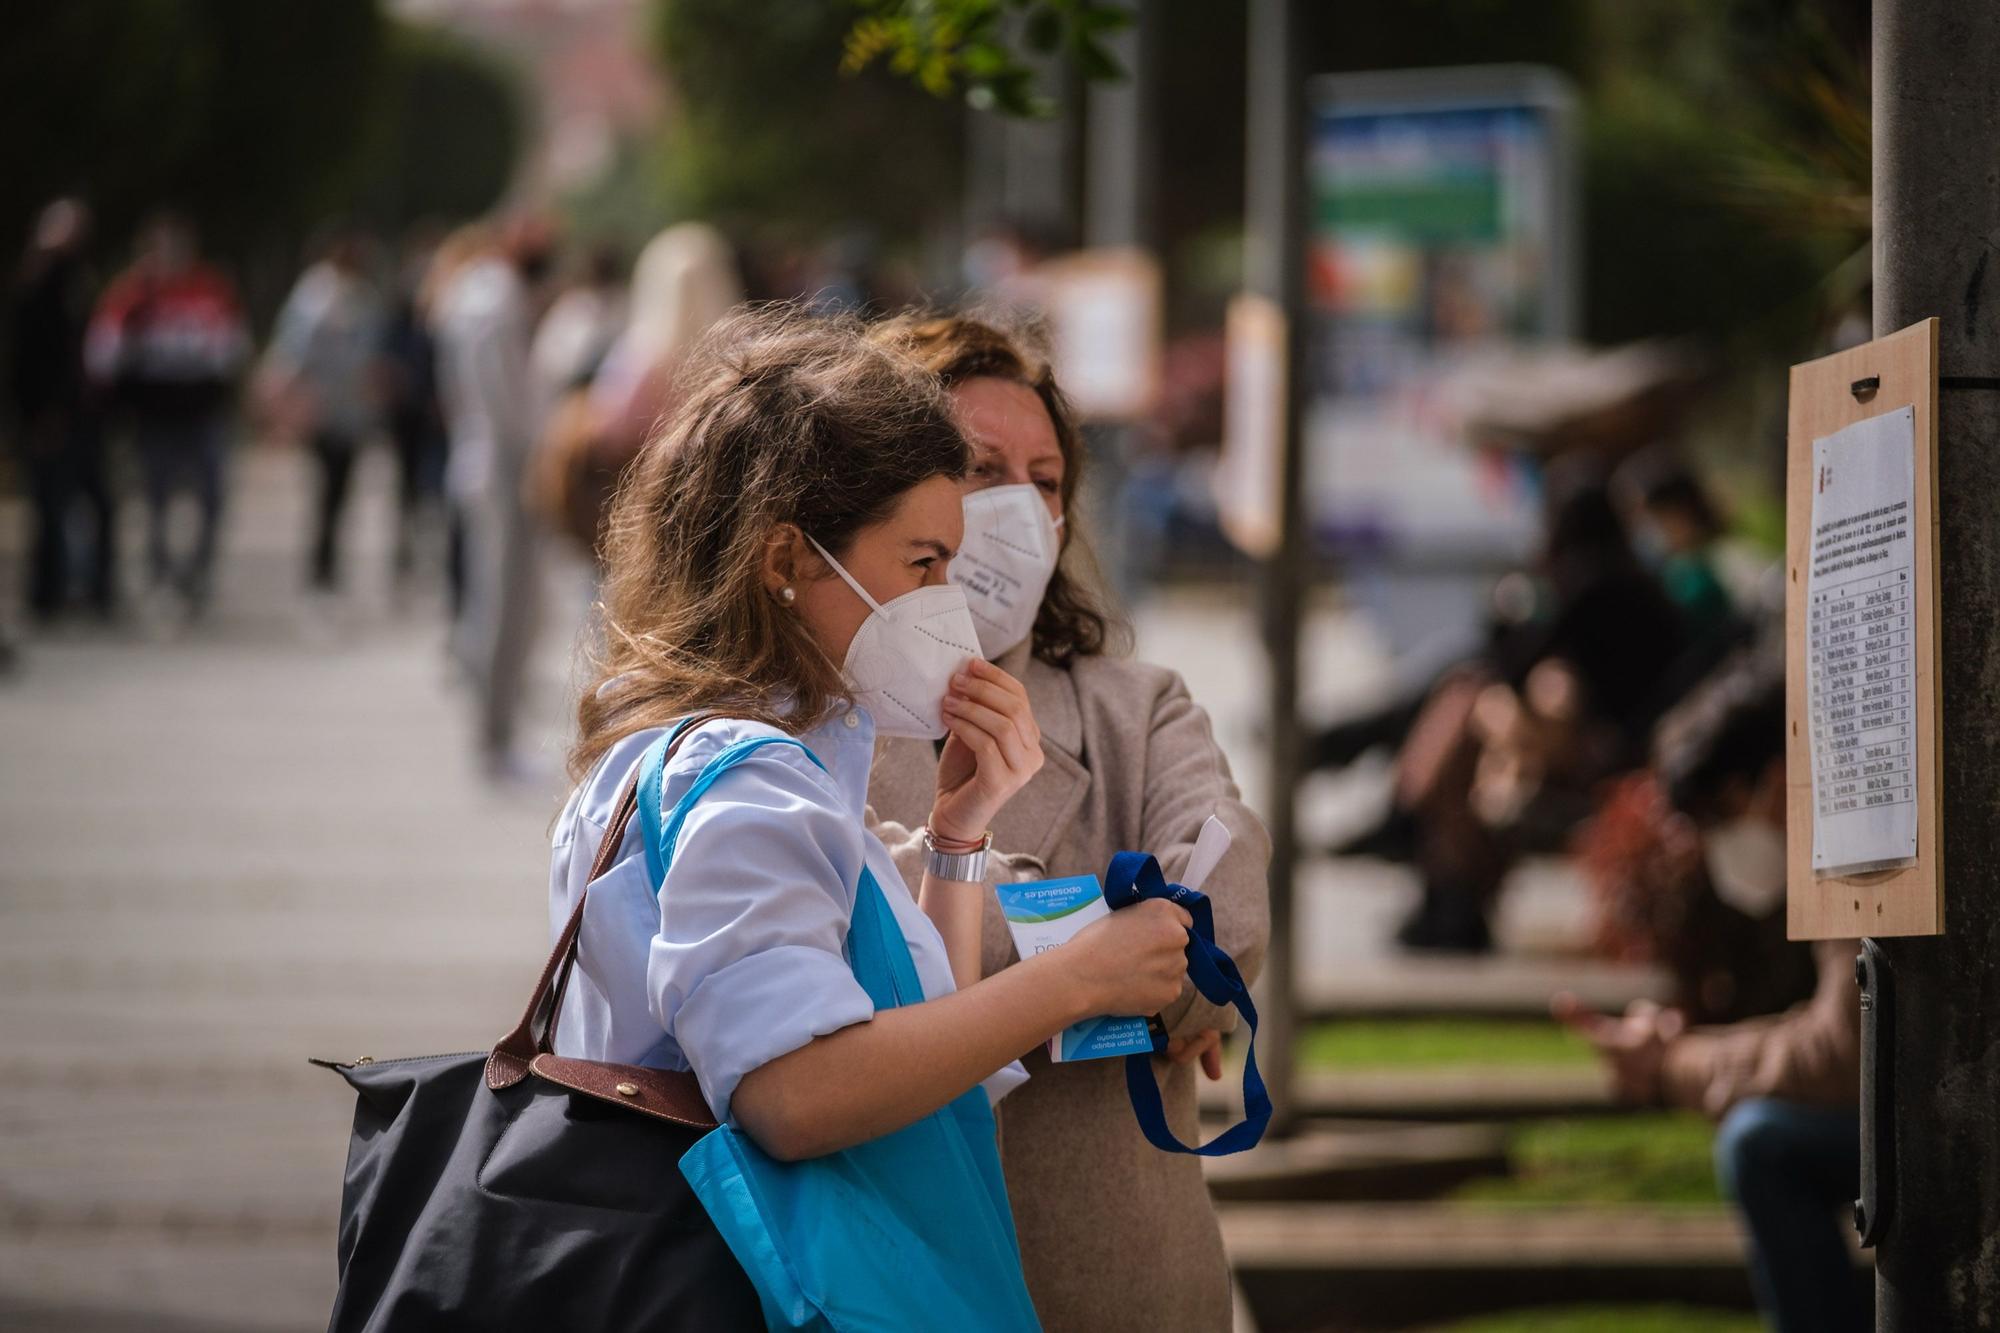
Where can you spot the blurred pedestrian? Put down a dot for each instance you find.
(322, 366)
(1786, 1090)
(1505, 750)
(686, 279)
(494, 414)
(61, 445)
(1675, 527)
(581, 324)
(408, 368)
(168, 343)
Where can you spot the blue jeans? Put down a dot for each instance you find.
(178, 456)
(1794, 1171)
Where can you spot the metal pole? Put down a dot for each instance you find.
(1118, 186)
(1275, 269)
(1937, 252)
(1119, 141)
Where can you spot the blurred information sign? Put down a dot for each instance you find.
(1862, 779)
(1861, 678)
(1248, 477)
(1103, 311)
(1442, 231)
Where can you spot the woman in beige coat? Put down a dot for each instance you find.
(1114, 1234)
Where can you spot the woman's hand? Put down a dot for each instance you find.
(991, 750)
(1205, 1046)
(1131, 962)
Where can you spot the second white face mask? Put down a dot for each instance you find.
(1005, 562)
(904, 655)
(1746, 863)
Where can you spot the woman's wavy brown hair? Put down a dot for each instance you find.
(1072, 622)
(781, 418)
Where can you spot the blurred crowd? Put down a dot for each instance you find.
(511, 378)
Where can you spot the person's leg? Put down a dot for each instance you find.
(207, 450)
(459, 521)
(406, 436)
(47, 462)
(1793, 1171)
(336, 468)
(512, 630)
(1461, 861)
(158, 466)
(94, 489)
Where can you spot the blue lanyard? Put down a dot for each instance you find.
(1135, 876)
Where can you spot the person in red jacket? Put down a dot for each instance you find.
(167, 343)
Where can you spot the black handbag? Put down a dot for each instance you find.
(515, 1189)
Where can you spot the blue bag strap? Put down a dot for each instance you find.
(1134, 877)
(662, 828)
(650, 795)
(876, 950)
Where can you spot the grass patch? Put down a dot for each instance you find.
(1652, 1158)
(1439, 1043)
(1611, 1319)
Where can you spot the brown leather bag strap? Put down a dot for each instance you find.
(508, 1062)
(607, 852)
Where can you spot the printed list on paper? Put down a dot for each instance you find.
(1861, 646)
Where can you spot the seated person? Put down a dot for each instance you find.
(1786, 1088)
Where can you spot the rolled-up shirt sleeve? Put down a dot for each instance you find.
(754, 911)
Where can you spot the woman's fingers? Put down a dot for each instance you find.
(1019, 752)
(980, 668)
(995, 724)
(999, 699)
(974, 738)
(1008, 703)
(1205, 1046)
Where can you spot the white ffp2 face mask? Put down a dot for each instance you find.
(904, 655)
(1746, 863)
(1005, 562)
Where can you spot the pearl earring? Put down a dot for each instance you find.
(788, 594)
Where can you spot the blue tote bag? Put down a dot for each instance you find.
(908, 1231)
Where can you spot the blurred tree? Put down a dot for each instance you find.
(1726, 170)
(767, 131)
(258, 119)
(1725, 145)
(242, 113)
(105, 100)
(444, 130)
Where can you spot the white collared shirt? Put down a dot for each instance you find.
(739, 959)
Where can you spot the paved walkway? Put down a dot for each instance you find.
(264, 839)
(223, 852)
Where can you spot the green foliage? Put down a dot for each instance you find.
(949, 46)
(242, 112)
(1726, 170)
(1355, 1044)
(1651, 1158)
(768, 133)
(444, 133)
(259, 119)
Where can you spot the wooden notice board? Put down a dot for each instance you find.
(1828, 395)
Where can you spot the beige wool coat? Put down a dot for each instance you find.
(1115, 1234)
